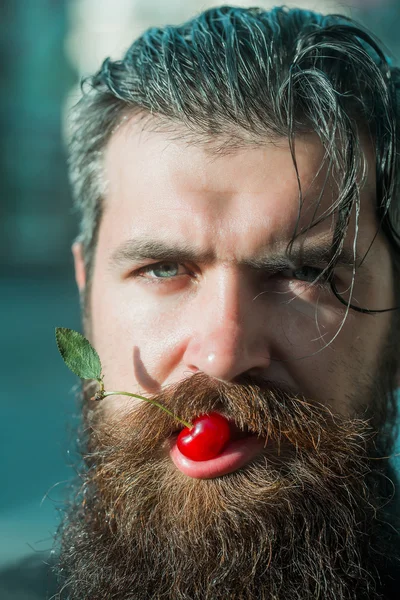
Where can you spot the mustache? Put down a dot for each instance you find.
(273, 412)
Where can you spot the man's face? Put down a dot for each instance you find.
(190, 273)
(193, 292)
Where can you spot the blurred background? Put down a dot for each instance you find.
(46, 47)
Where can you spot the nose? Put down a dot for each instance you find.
(229, 338)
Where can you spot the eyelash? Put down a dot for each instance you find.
(159, 280)
(324, 278)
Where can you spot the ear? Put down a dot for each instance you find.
(80, 273)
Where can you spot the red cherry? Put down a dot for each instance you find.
(206, 439)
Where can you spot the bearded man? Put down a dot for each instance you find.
(239, 253)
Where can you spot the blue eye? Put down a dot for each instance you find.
(163, 270)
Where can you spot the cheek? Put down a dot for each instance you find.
(305, 328)
(135, 334)
(316, 352)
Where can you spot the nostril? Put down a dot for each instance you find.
(226, 353)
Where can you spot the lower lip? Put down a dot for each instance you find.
(236, 455)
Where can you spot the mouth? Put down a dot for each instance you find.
(242, 448)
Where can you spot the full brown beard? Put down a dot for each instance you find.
(301, 521)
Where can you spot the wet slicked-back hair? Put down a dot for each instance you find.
(233, 77)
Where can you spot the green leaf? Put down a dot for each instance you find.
(78, 354)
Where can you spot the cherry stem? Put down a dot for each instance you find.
(185, 423)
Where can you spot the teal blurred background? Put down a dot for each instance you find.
(37, 287)
(45, 47)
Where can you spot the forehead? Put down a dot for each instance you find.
(157, 180)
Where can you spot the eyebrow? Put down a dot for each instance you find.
(315, 254)
(137, 249)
